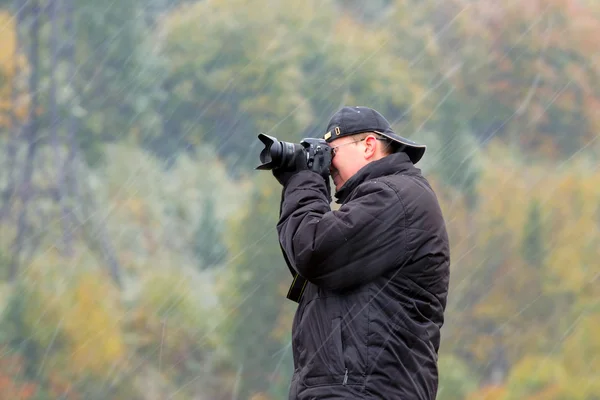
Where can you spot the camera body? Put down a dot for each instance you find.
(279, 154)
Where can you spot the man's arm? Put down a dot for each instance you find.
(339, 249)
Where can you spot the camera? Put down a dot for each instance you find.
(279, 154)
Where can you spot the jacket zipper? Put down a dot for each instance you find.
(345, 377)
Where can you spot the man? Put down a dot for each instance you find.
(373, 274)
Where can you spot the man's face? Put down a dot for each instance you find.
(348, 157)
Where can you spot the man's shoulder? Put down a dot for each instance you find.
(372, 186)
(406, 183)
(403, 185)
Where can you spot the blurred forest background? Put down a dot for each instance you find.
(138, 251)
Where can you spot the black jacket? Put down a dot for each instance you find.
(368, 323)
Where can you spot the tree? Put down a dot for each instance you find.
(439, 114)
(14, 105)
(540, 91)
(524, 283)
(41, 127)
(117, 83)
(208, 244)
(31, 135)
(257, 329)
(533, 242)
(456, 380)
(281, 68)
(12, 101)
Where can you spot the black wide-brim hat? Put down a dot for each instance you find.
(354, 120)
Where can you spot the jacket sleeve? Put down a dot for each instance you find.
(342, 248)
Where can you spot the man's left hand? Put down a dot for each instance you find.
(320, 165)
(283, 175)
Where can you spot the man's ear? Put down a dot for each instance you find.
(370, 146)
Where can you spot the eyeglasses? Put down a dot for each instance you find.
(334, 149)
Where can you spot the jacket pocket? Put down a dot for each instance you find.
(336, 330)
(326, 365)
(338, 341)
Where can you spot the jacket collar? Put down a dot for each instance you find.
(388, 165)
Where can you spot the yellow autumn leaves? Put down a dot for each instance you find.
(77, 322)
(525, 272)
(13, 101)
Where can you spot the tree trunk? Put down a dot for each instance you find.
(31, 134)
(96, 234)
(68, 165)
(62, 194)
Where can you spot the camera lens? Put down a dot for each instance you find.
(271, 153)
(278, 154)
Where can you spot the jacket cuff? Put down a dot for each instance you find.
(306, 179)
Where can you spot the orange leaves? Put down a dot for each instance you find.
(490, 392)
(534, 65)
(8, 40)
(12, 384)
(12, 389)
(10, 63)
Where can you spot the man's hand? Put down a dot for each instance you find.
(319, 164)
(321, 161)
(283, 175)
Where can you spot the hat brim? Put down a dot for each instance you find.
(414, 150)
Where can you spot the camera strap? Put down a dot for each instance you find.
(296, 288)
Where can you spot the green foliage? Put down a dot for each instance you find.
(208, 243)
(532, 60)
(525, 289)
(154, 210)
(456, 379)
(52, 334)
(118, 75)
(499, 93)
(533, 241)
(253, 293)
(366, 12)
(171, 320)
(534, 374)
(4, 264)
(172, 307)
(74, 322)
(17, 333)
(450, 157)
(277, 70)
